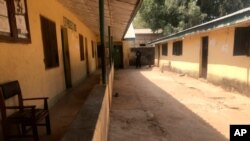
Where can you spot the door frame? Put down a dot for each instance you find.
(87, 56)
(159, 55)
(66, 57)
(120, 48)
(204, 56)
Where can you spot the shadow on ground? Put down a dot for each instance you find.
(142, 111)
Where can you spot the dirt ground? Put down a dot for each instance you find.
(155, 106)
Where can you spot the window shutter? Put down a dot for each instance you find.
(177, 48)
(180, 44)
(50, 48)
(241, 46)
(45, 37)
(81, 43)
(53, 42)
(248, 41)
(165, 49)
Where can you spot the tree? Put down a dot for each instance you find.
(138, 22)
(175, 15)
(170, 15)
(153, 12)
(217, 8)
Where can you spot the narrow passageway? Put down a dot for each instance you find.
(155, 106)
(66, 109)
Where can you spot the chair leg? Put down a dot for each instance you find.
(35, 132)
(5, 133)
(23, 129)
(48, 127)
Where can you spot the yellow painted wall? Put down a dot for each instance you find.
(157, 55)
(221, 62)
(189, 60)
(24, 62)
(164, 59)
(127, 45)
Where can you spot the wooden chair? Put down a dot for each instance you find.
(24, 118)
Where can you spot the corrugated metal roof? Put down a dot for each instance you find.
(146, 31)
(118, 14)
(228, 20)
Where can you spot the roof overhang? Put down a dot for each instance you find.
(118, 14)
(130, 35)
(238, 17)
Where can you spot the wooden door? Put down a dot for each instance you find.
(118, 56)
(159, 55)
(87, 56)
(204, 57)
(66, 57)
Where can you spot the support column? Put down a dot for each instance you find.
(102, 36)
(110, 45)
(112, 49)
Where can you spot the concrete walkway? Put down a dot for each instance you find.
(66, 109)
(155, 106)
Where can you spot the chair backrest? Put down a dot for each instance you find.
(9, 90)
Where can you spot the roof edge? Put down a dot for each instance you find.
(227, 20)
(138, 5)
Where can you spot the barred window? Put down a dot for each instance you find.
(165, 49)
(177, 48)
(242, 41)
(81, 43)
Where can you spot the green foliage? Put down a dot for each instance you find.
(138, 22)
(170, 15)
(218, 8)
(175, 15)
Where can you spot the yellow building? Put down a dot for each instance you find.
(41, 70)
(51, 45)
(138, 39)
(217, 51)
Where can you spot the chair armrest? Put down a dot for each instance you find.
(20, 107)
(36, 98)
(45, 103)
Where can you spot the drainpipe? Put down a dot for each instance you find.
(102, 36)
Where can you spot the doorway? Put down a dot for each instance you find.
(66, 57)
(87, 56)
(158, 55)
(118, 56)
(204, 57)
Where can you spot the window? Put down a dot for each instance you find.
(165, 49)
(93, 49)
(49, 43)
(81, 43)
(177, 48)
(86, 46)
(242, 41)
(142, 45)
(14, 25)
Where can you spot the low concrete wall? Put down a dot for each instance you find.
(92, 121)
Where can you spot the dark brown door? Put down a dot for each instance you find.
(158, 59)
(66, 57)
(87, 56)
(118, 56)
(204, 56)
